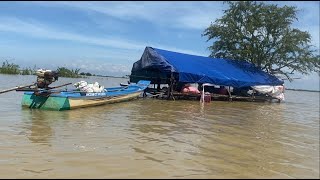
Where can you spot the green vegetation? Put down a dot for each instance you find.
(27, 71)
(8, 68)
(64, 72)
(11, 68)
(86, 74)
(262, 34)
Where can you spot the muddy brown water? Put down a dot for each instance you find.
(150, 138)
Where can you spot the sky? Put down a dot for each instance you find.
(106, 38)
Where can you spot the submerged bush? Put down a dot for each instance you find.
(11, 68)
(64, 72)
(8, 68)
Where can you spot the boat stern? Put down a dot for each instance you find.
(33, 101)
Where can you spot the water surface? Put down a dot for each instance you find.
(150, 138)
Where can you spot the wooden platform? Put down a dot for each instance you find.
(214, 97)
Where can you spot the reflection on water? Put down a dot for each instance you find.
(150, 138)
(38, 126)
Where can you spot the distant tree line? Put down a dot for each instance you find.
(87, 74)
(64, 72)
(11, 68)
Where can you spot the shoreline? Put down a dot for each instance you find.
(302, 90)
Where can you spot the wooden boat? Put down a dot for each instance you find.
(67, 100)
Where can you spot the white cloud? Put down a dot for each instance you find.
(182, 15)
(190, 15)
(36, 29)
(186, 15)
(126, 51)
(308, 18)
(39, 30)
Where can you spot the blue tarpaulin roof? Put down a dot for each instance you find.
(199, 69)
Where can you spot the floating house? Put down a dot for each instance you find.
(175, 70)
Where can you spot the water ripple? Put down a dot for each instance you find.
(162, 139)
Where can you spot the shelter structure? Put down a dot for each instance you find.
(177, 69)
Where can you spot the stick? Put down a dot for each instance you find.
(59, 86)
(20, 89)
(15, 88)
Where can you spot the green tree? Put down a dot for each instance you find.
(8, 68)
(26, 71)
(262, 34)
(64, 72)
(34, 70)
(88, 74)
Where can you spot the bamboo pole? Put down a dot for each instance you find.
(59, 86)
(36, 89)
(15, 88)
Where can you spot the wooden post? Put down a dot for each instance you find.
(144, 94)
(168, 93)
(170, 89)
(172, 83)
(230, 97)
(252, 97)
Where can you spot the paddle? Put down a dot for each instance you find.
(15, 88)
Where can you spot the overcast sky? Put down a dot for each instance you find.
(108, 37)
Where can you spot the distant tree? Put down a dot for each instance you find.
(34, 70)
(262, 34)
(9, 68)
(26, 71)
(64, 72)
(86, 74)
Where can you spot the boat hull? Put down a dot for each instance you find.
(67, 100)
(67, 103)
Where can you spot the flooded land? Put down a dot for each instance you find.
(151, 138)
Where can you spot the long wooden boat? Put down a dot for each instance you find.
(67, 100)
